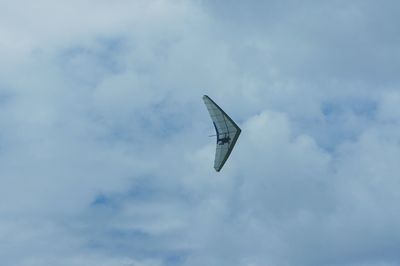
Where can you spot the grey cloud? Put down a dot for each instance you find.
(336, 40)
(103, 147)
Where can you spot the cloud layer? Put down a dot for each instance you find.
(104, 152)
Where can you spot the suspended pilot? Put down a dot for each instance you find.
(225, 139)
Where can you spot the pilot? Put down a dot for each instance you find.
(224, 140)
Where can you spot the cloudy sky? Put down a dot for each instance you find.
(104, 154)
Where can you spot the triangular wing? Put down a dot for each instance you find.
(225, 129)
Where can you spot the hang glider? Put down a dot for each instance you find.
(227, 132)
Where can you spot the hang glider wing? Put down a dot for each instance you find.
(227, 132)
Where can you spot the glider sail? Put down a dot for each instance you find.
(227, 132)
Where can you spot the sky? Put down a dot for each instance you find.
(104, 151)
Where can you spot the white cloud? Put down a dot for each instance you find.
(103, 150)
